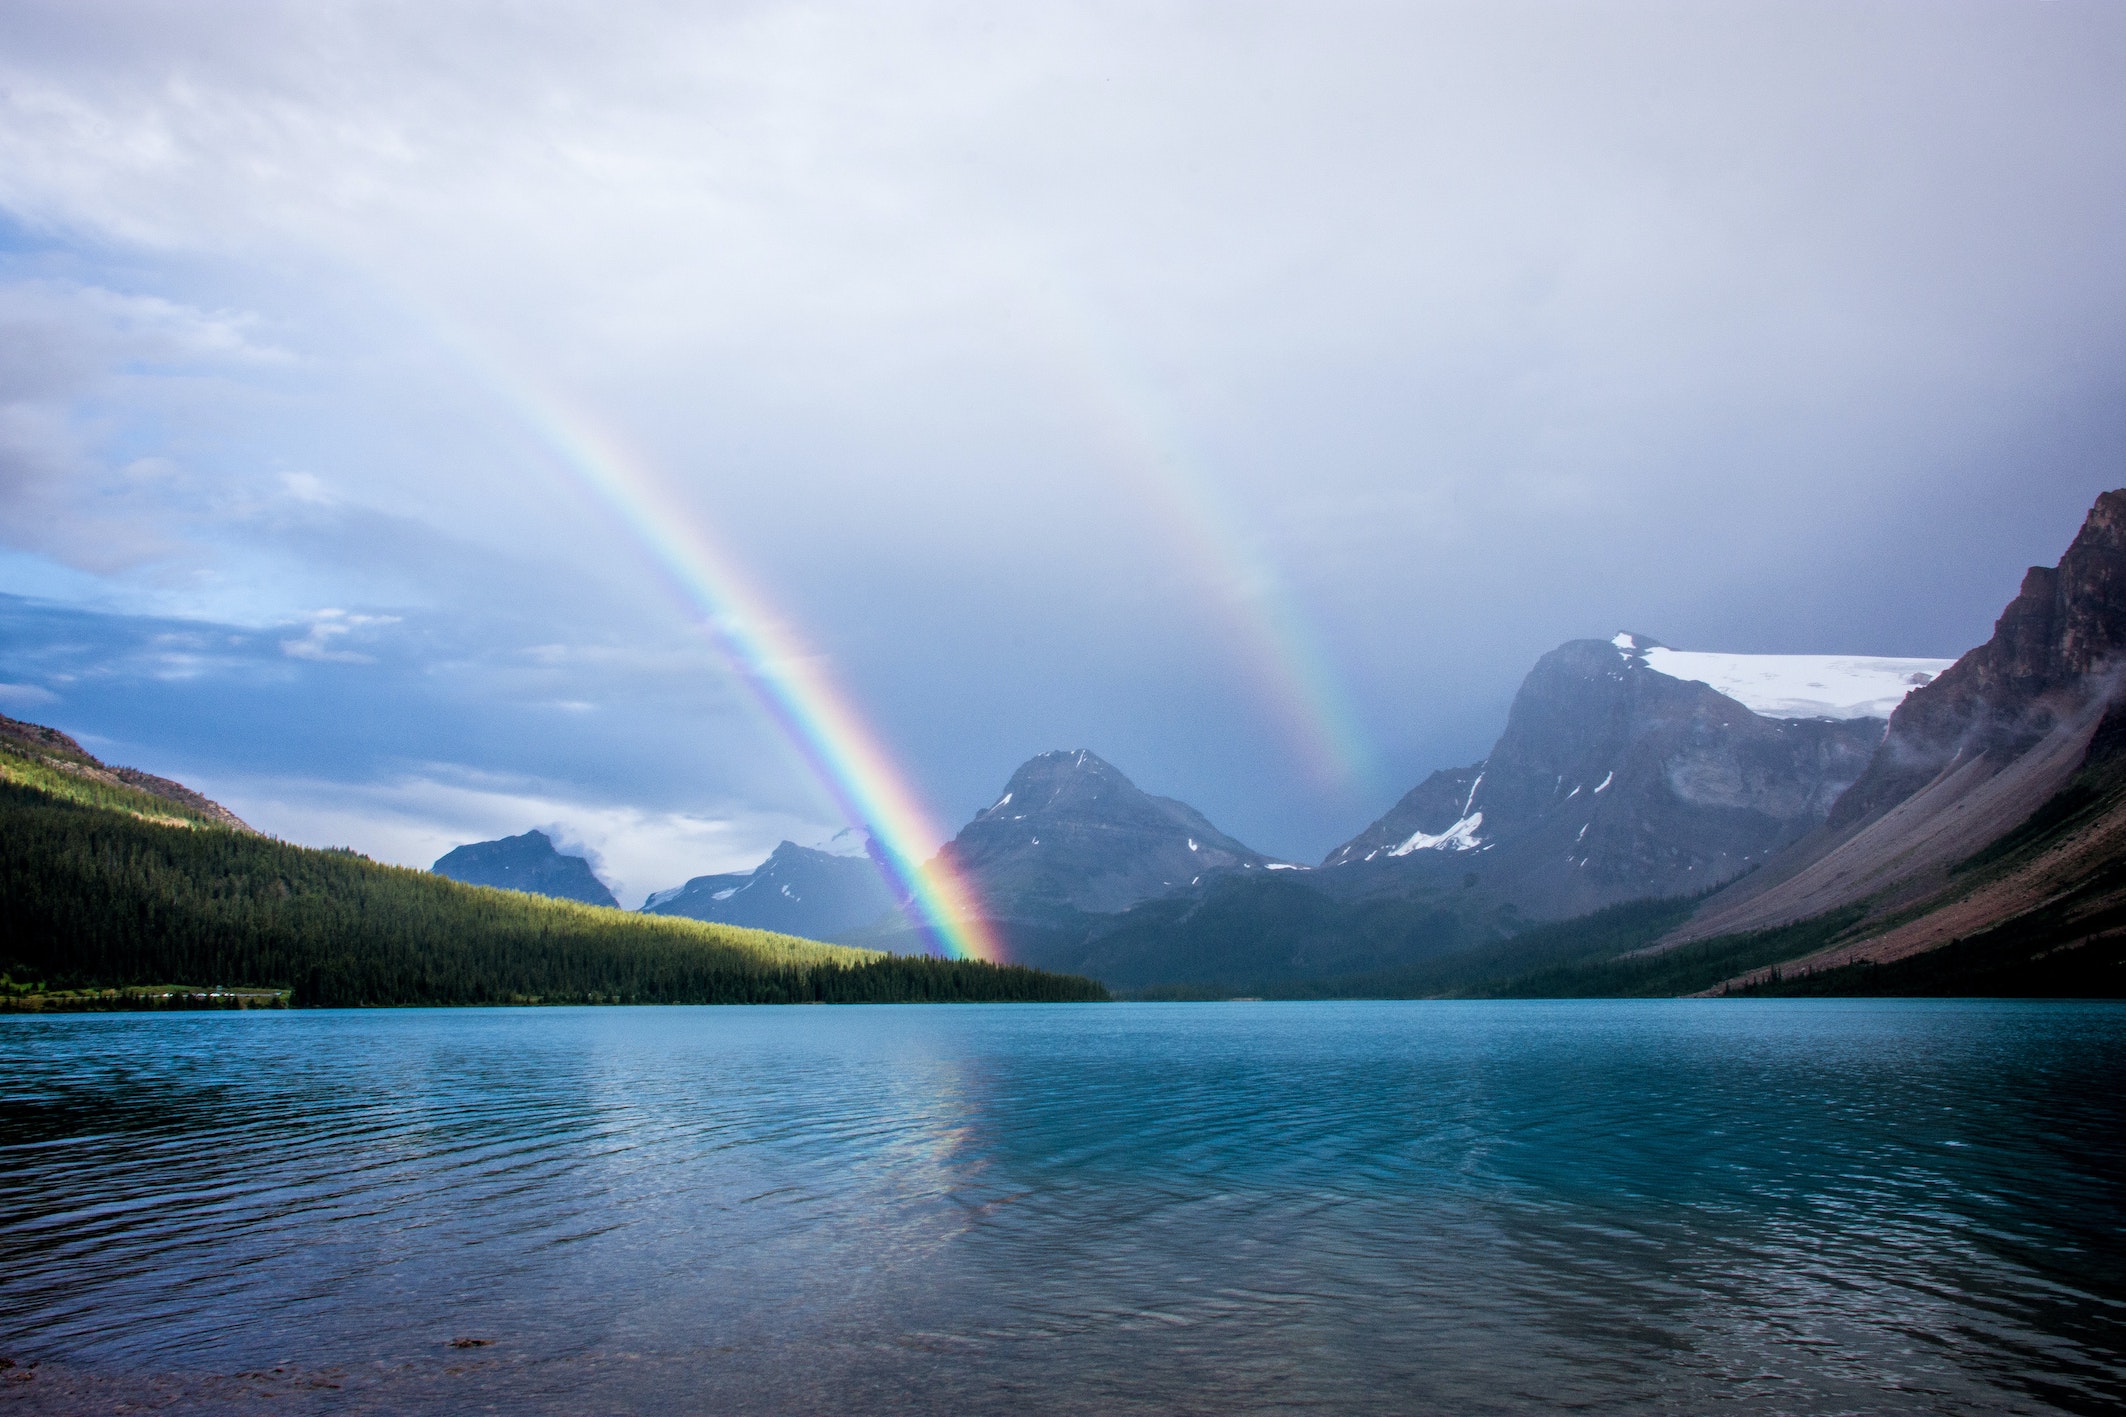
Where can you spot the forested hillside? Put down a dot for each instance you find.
(104, 886)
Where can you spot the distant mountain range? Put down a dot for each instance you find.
(798, 890)
(1799, 815)
(1615, 781)
(1071, 839)
(123, 890)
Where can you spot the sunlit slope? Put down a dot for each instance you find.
(32, 755)
(104, 885)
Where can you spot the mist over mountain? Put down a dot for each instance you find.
(798, 890)
(526, 863)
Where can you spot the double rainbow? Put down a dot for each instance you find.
(817, 717)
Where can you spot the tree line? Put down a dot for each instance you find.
(94, 897)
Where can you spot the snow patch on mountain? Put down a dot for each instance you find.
(1459, 837)
(1793, 685)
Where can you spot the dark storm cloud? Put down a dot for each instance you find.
(1016, 348)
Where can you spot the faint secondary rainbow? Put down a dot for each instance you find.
(1120, 404)
(788, 679)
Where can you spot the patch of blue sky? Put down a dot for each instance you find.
(414, 729)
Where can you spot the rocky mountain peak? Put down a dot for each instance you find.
(526, 863)
(1072, 833)
(1983, 751)
(1070, 781)
(1612, 781)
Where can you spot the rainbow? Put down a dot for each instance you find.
(1144, 446)
(785, 675)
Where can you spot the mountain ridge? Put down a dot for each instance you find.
(59, 752)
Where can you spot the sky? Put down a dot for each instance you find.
(421, 423)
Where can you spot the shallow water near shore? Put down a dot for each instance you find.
(1760, 1206)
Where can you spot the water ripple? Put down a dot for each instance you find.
(1775, 1206)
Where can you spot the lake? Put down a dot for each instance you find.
(1754, 1206)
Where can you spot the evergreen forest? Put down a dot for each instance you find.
(114, 897)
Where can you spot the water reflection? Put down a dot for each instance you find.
(1775, 1206)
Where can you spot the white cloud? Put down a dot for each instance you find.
(328, 628)
(81, 368)
(309, 487)
(414, 819)
(26, 695)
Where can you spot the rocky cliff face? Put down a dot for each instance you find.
(1966, 759)
(1611, 782)
(798, 891)
(2053, 648)
(1072, 834)
(525, 863)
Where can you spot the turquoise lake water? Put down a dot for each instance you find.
(1688, 1206)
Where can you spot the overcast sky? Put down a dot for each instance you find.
(1247, 393)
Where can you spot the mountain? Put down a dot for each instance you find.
(1975, 843)
(57, 752)
(1618, 778)
(1072, 835)
(525, 863)
(798, 890)
(1627, 772)
(1994, 809)
(116, 896)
